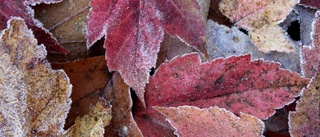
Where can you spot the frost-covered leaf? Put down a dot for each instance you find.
(122, 123)
(271, 38)
(10, 8)
(30, 91)
(261, 17)
(224, 42)
(306, 16)
(134, 31)
(311, 3)
(34, 2)
(305, 121)
(311, 55)
(92, 124)
(236, 83)
(211, 122)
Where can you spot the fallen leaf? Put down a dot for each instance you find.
(122, 123)
(88, 77)
(135, 29)
(310, 55)
(311, 3)
(10, 8)
(306, 18)
(92, 124)
(66, 21)
(30, 91)
(223, 41)
(191, 121)
(305, 121)
(236, 83)
(271, 38)
(172, 47)
(261, 18)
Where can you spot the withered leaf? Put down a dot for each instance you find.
(92, 124)
(30, 91)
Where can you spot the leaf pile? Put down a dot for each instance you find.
(169, 68)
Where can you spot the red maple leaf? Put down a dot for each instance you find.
(134, 30)
(235, 83)
(19, 8)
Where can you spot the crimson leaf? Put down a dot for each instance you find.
(134, 30)
(235, 83)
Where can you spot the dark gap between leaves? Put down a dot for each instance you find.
(244, 31)
(294, 30)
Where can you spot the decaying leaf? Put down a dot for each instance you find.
(88, 77)
(235, 83)
(122, 123)
(135, 29)
(223, 41)
(261, 17)
(211, 122)
(92, 124)
(30, 91)
(305, 121)
(310, 55)
(19, 8)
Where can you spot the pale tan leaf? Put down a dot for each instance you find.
(254, 14)
(92, 124)
(271, 38)
(261, 17)
(192, 121)
(30, 91)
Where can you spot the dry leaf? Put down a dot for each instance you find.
(88, 77)
(30, 91)
(92, 124)
(122, 123)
